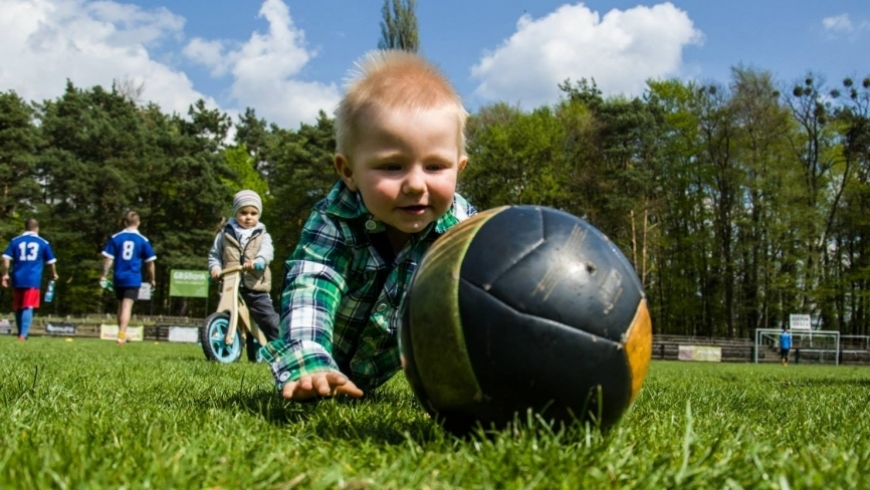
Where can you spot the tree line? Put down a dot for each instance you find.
(737, 203)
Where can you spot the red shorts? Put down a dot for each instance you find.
(23, 298)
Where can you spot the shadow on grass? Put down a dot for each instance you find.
(385, 418)
(824, 382)
(374, 418)
(181, 359)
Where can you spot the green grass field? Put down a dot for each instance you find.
(90, 414)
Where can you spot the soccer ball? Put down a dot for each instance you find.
(525, 308)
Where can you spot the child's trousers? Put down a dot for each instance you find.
(262, 312)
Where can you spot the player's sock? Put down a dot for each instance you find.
(18, 322)
(26, 320)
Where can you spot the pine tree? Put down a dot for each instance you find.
(399, 26)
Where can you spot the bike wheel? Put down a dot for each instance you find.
(213, 335)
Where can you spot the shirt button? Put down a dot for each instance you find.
(381, 307)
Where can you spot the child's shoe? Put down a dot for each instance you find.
(122, 338)
(21, 338)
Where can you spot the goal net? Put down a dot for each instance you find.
(807, 346)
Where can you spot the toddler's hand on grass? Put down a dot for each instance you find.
(327, 383)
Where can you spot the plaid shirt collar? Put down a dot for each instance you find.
(347, 204)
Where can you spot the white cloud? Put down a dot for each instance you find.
(139, 26)
(620, 51)
(842, 24)
(45, 42)
(209, 53)
(265, 69)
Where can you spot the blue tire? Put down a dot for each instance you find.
(213, 336)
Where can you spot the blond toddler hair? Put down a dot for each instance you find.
(393, 79)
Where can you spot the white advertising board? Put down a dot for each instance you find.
(799, 322)
(184, 334)
(705, 353)
(110, 332)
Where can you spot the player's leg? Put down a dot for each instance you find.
(125, 312)
(122, 331)
(26, 320)
(17, 310)
(18, 313)
(125, 297)
(24, 300)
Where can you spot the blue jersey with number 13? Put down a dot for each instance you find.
(28, 252)
(129, 249)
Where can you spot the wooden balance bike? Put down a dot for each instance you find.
(225, 330)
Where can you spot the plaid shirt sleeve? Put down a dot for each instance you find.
(313, 288)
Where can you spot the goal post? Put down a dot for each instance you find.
(819, 344)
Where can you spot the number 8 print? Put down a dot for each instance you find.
(127, 250)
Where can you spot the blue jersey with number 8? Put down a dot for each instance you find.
(129, 249)
(28, 252)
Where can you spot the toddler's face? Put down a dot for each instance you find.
(405, 166)
(248, 217)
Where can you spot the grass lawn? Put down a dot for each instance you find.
(90, 414)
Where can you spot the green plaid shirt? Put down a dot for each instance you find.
(340, 303)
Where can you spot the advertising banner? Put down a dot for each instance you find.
(189, 284)
(60, 328)
(799, 322)
(184, 334)
(705, 353)
(5, 326)
(110, 332)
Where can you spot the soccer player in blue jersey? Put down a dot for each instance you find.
(128, 249)
(784, 346)
(27, 253)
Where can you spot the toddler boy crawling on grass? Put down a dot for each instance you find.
(400, 146)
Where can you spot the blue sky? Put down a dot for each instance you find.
(287, 58)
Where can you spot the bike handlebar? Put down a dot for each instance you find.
(230, 270)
